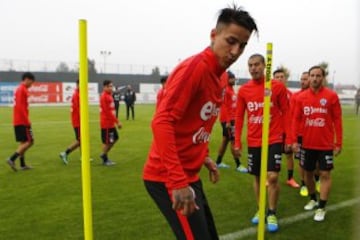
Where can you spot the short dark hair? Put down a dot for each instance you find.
(107, 82)
(236, 15)
(279, 70)
(28, 75)
(258, 55)
(318, 67)
(163, 79)
(230, 74)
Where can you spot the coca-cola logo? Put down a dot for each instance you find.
(201, 136)
(316, 122)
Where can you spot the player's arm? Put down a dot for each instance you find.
(239, 122)
(295, 124)
(337, 116)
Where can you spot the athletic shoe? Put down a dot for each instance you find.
(319, 214)
(26, 167)
(242, 169)
(63, 157)
(272, 223)
(222, 165)
(292, 183)
(317, 186)
(311, 205)
(304, 191)
(109, 163)
(255, 219)
(12, 165)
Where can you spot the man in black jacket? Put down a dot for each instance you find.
(130, 98)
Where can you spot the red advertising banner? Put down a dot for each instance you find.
(45, 92)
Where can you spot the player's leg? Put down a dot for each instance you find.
(325, 167)
(309, 158)
(273, 169)
(223, 146)
(108, 136)
(74, 145)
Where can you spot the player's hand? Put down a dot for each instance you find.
(119, 125)
(288, 148)
(337, 151)
(214, 175)
(184, 200)
(237, 153)
(295, 147)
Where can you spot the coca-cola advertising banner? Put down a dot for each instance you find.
(47, 92)
(44, 92)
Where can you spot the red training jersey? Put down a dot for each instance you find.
(228, 106)
(251, 100)
(292, 108)
(21, 106)
(183, 121)
(159, 96)
(319, 115)
(107, 111)
(75, 108)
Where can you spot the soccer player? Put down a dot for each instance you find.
(21, 122)
(279, 74)
(182, 126)
(108, 121)
(161, 91)
(357, 101)
(227, 120)
(250, 100)
(318, 112)
(75, 120)
(304, 84)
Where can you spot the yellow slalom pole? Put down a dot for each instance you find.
(84, 131)
(265, 142)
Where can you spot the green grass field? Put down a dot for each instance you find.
(46, 202)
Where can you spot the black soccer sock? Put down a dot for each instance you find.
(22, 161)
(68, 150)
(104, 157)
(219, 159)
(313, 197)
(14, 156)
(237, 162)
(322, 203)
(271, 212)
(290, 174)
(302, 183)
(317, 177)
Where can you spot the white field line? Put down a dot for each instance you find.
(289, 220)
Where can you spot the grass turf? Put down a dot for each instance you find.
(46, 202)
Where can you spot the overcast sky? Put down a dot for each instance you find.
(161, 32)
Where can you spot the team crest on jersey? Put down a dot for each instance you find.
(323, 102)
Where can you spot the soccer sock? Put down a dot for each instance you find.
(313, 197)
(14, 156)
(219, 159)
(317, 177)
(322, 203)
(302, 183)
(22, 161)
(290, 174)
(104, 157)
(68, 150)
(237, 162)
(271, 212)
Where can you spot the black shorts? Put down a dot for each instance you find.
(228, 133)
(309, 158)
(23, 133)
(274, 159)
(77, 133)
(109, 135)
(283, 146)
(298, 154)
(199, 225)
